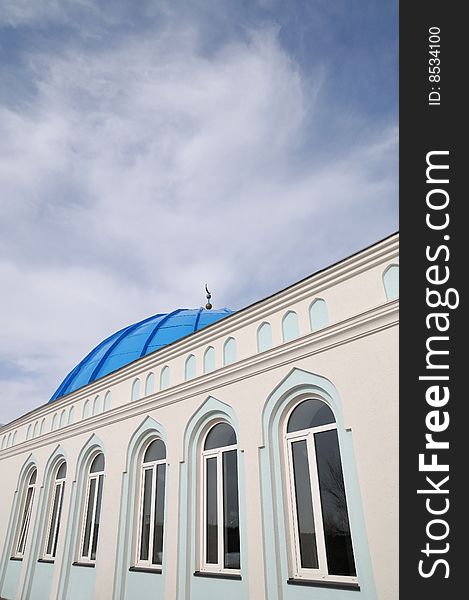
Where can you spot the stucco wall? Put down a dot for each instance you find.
(353, 361)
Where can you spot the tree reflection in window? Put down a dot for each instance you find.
(322, 541)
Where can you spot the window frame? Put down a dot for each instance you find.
(25, 513)
(86, 559)
(143, 467)
(299, 572)
(217, 453)
(55, 484)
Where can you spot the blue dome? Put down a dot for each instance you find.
(136, 341)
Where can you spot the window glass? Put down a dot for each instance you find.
(321, 545)
(308, 414)
(220, 435)
(150, 552)
(146, 514)
(98, 464)
(212, 512)
(304, 506)
(62, 472)
(334, 505)
(220, 502)
(159, 515)
(231, 510)
(155, 451)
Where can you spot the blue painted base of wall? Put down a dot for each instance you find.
(12, 577)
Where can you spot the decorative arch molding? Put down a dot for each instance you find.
(391, 281)
(210, 411)
(53, 461)
(318, 314)
(297, 383)
(87, 453)
(296, 386)
(149, 429)
(28, 465)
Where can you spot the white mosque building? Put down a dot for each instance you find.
(215, 455)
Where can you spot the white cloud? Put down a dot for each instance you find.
(26, 12)
(140, 172)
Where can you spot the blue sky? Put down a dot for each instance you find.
(148, 147)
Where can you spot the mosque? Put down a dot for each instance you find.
(205, 454)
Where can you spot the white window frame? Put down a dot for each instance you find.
(299, 572)
(57, 489)
(218, 454)
(146, 466)
(90, 476)
(25, 516)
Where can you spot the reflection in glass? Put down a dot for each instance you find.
(89, 516)
(308, 414)
(98, 464)
(219, 436)
(159, 515)
(334, 506)
(97, 518)
(56, 512)
(59, 512)
(155, 451)
(62, 472)
(146, 514)
(211, 514)
(231, 510)
(26, 515)
(304, 506)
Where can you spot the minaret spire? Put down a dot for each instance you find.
(208, 306)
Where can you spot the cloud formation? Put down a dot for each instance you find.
(137, 170)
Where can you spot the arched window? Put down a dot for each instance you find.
(28, 432)
(136, 389)
(55, 512)
(264, 337)
(209, 359)
(149, 384)
(92, 510)
(290, 329)
(4, 441)
(164, 378)
(26, 509)
(318, 316)
(220, 507)
(96, 405)
(391, 282)
(107, 401)
(71, 415)
(229, 351)
(36, 429)
(151, 506)
(13, 441)
(43, 424)
(189, 371)
(62, 418)
(86, 409)
(54, 421)
(321, 541)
